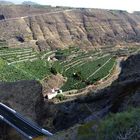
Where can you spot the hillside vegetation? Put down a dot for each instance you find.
(120, 126)
(22, 64)
(79, 67)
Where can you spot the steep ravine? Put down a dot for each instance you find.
(120, 96)
(26, 97)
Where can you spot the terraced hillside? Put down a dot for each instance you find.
(23, 64)
(81, 68)
(84, 68)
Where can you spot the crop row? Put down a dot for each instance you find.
(90, 56)
(78, 76)
(104, 71)
(37, 68)
(72, 84)
(88, 68)
(15, 51)
(18, 55)
(79, 56)
(17, 58)
(10, 73)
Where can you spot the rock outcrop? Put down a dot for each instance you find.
(26, 98)
(22, 96)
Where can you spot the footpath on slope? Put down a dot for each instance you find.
(24, 17)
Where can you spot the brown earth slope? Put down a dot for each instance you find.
(82, 27)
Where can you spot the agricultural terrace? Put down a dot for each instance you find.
(84, 68)
(23, 64)
(81, 75)
(81, 68)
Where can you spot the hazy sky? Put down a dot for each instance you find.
(129, 5)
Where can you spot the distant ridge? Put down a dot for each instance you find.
(6, 3)
(29, 3)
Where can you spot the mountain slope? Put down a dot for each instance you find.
(29, 3)
(6, 3)
(82, 27)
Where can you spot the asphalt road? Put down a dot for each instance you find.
(22, 125)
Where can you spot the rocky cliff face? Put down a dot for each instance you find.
(26, 98)
(82, 27)
(22, 96)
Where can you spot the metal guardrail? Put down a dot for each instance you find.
(27, 128)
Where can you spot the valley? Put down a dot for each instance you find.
(73, 71)
(80, 68)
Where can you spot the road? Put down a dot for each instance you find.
(49, 13)
(27, 128)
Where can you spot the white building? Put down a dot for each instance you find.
(53, 93)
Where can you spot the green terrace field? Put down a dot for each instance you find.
(18, 55)
(79, 76)
(10, 73)
(84, 68)
(23, 64)
(37, 69)
(81, 68)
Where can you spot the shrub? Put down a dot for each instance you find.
(61, 97)
(53, 71)
(120, 126)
